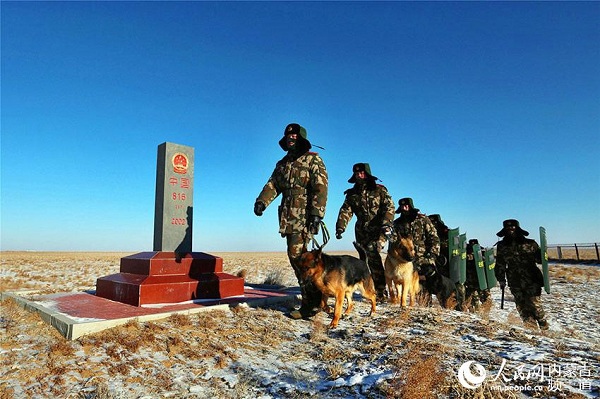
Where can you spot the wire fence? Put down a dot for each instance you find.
(574, 252)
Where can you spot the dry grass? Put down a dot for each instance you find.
(419, 371)
(570, 253)
(574, 274)
(174, 356)
(50, 272)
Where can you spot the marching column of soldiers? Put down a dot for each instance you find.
(301, 178)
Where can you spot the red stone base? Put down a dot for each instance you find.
(160, 277)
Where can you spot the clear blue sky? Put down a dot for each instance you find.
(479, 111)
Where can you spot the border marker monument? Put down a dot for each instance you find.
(171, 273)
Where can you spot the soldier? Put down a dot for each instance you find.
(374, 210)
(516, 259)
(443, 260)
(442, 232)
(473, 294)
(301, 178)
(422, 231)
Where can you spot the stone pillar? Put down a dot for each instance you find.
(174, 206)
(172, 273)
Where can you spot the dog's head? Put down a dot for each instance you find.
(403, 248)
(428, 270)
(309, 261)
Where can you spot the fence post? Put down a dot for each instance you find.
(597, 253)
(559, 252)
(576, 251)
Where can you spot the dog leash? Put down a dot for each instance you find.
(324, 233)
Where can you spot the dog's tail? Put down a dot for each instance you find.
(362, 253)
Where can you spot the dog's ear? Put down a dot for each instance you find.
(429, 269)
(318, 253)
(311, 259)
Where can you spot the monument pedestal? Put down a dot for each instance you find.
(162, 277)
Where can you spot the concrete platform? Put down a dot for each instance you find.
(75, 314)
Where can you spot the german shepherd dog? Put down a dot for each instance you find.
(338, 276)
(441, 286)
(399, 271)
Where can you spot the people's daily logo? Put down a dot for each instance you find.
(537, 377)
(470, 379)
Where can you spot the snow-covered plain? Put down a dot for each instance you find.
(419, 352)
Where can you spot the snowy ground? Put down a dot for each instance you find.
(260, 353)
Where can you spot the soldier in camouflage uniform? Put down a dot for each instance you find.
(473, 294)
(422, 231)
(442, 262)
(374, 210)
(516, 259)
(442, 232)
(301, 178)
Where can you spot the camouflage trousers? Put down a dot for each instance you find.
(374, 262)
(529, 307)
(311, 296)
(377, 272)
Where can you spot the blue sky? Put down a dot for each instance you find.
(479, 111)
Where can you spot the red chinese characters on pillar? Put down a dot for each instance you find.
(179, 196)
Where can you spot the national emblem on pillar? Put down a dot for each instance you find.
(180, 163)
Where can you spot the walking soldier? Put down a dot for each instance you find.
(301, 178)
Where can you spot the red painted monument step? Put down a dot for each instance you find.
(140, 290)
(167, 263)
(161, 277)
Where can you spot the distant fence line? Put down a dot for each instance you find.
(580, 252)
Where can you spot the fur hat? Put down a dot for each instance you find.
(405, 201)
(436, 219)
(361, 167)
(303, 144)
(439, 225)
(509, 223)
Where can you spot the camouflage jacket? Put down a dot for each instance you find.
(373, 209)
(424, 235)
(471, 280)
(516, 264)
(302, 181)
(443, 259)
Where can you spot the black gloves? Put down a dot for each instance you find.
(259, 208)
(338, 233)
(313, 224)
